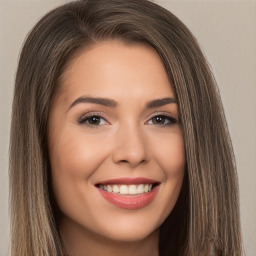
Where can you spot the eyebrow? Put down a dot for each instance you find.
(113, 104)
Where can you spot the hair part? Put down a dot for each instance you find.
(206, 215)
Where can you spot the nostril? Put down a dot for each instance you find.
(127, 161)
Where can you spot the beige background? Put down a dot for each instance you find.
(225, 29)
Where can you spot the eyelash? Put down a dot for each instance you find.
(82, 120)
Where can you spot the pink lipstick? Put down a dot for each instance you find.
(129, 193)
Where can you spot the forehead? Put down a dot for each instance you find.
(117, 68)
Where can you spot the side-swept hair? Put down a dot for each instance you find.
(208, 201)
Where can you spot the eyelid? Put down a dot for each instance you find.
(81, 119)
(165, 115)
(161, 113)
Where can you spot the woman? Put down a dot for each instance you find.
(93, 174)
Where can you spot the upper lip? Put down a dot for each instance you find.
(128, 181)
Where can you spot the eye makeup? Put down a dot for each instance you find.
(95, 120)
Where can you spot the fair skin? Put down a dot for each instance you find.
(126, 139)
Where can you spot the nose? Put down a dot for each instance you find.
(130, 146)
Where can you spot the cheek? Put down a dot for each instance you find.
(74, 158)
(170, 155)
(74, 154)
(171, 158)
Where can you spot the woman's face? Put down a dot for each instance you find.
(114, 126)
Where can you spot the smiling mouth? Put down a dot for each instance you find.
(129, 196)
(125, 189)
(129, 193)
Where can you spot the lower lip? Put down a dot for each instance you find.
(130, 202)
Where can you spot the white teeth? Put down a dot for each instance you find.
(116, 189)
(141, 189)
(109, 188)
(133, 190)
(127, 189)
(124, 189)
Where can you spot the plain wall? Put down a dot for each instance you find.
(226, 31)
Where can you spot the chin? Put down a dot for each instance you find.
(130, 228)
(130, 235)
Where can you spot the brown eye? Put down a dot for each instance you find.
(163, 120)
(158, 120)
(92, 120)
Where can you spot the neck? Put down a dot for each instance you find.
(78, 241)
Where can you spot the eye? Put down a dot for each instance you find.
(162, 120)
(92, 120)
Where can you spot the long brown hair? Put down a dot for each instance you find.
(206, 217)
